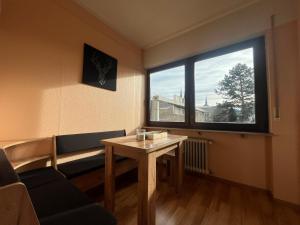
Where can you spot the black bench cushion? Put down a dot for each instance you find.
(53, 195)
(38, 177)
(7, 173)
(81, 166)
(92, 214)
(78, 142)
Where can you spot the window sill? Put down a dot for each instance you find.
(211, 131)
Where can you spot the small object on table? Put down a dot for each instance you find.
(140, 134)
(156, 135)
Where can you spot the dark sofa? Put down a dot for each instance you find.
(74, 143)
(55, 200)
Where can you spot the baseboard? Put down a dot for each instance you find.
(213, 178)
(288, 204)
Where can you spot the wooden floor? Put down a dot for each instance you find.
(205, 202)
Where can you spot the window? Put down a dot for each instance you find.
(225, 89)
(167, 101)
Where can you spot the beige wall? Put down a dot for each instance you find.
(285, 142)
(41, 58)
(298, 20)
(239, 158)
(267, 162)
(222, 32)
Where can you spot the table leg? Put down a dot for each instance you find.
(179, 161)
(146, 189)
(109, 192)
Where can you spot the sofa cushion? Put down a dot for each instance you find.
(81, 166)
(7, 173)
(38, 177)
(78, 142)
(92, 214)
(56, 197)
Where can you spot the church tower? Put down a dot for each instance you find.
(206, 104)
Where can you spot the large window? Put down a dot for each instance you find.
(223, 89)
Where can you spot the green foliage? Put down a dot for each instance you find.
(224, 113)
(237, 88)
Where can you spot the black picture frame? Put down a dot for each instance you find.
(99, 69)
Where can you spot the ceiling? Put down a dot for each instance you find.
(150, 22)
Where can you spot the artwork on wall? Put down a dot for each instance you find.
(99, 69)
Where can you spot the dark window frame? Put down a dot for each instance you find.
(261, 90)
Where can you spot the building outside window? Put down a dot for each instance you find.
(167, 102)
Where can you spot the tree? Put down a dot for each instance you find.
(237, 88)
(224, 113)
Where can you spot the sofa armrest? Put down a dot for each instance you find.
(16, 207)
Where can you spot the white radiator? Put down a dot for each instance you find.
(196, 155)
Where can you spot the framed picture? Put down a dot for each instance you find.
(99, 69)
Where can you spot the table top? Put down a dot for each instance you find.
(130, 142)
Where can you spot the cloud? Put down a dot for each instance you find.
(168, 83)
(208, 73)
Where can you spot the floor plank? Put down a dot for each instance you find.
(204, 202)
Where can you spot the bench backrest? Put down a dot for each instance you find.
(78, 142)
(7, 173)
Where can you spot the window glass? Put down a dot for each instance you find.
(224, 88)
(167, 98)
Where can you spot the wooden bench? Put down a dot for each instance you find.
(81, 158)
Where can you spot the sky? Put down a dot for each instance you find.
(208, 73)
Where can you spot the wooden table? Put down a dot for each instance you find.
(145, 152)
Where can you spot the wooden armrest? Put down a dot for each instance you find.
(16, 207)
(30, 154)
(22, 163)
(22, 151)
(9, 144)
